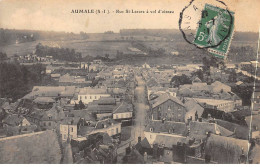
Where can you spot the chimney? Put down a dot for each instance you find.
(145, 157)
(196, 116)
(139, 139)
(128, 149)
(155, 151)
(163, 120)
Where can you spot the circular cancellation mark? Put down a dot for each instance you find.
(206, 23)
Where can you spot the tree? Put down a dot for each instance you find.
(76, 106)
(81, 105)
(198, 74)
(176, 81)
(232, 76)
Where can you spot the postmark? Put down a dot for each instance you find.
(214, 26)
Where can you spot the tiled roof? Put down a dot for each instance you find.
(105, 101)
(33, 148)
(67, 78)
(169, 141)
(105, 123)
(13, 120)
(241, 132)
(123, 107)
(199, 130)
(44, 100)
(166, 127)
(101, 108)
(88, 90)
(165, 97)
(144, 144)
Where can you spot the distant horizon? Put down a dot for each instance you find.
(118, 32)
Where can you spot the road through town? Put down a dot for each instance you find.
(141, 108)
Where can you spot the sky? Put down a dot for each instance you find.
(56, 15)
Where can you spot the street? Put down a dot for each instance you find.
(141, 108)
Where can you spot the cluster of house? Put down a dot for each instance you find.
(76, 112)
(33, 58)
(186, 125)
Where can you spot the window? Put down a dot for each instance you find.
(44, 124)
(80, 97)
(159, 108)
(71, 129)
(95, 97)
(151, 129)
(85, 97)
(169, 107)
(117, 131)
(116, 116)
(49, 123)
(90, 97)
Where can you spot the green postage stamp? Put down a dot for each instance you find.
(215, 30)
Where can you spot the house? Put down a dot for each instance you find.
(109, 126)
(194, 110)
(44, 102)
(255, 101)
(240, 131)
(143, 146)
(199, 130)
(195, 87)
(69, 128)
(118, 74)
(55, 76)
(253, 122)
(102, 108)
(169, 108)
(133, 156)
(47, 119)
(15, 124)
(167, 128)
(169, 149)
(220, 87)
(50, 91)
(146, 66)
(87, 95)
(95, 148)
(123, 113)
(223, 105)
(244, 65)
(101, 111)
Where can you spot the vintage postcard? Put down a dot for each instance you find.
(129, 82)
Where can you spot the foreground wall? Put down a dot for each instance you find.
(40, 147)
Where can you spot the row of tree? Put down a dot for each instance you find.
(64, 54)
(17, 80)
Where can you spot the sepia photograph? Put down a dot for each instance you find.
(129, 82)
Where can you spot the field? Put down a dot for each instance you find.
(97, 44)
(102, 44)
(91, 48)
